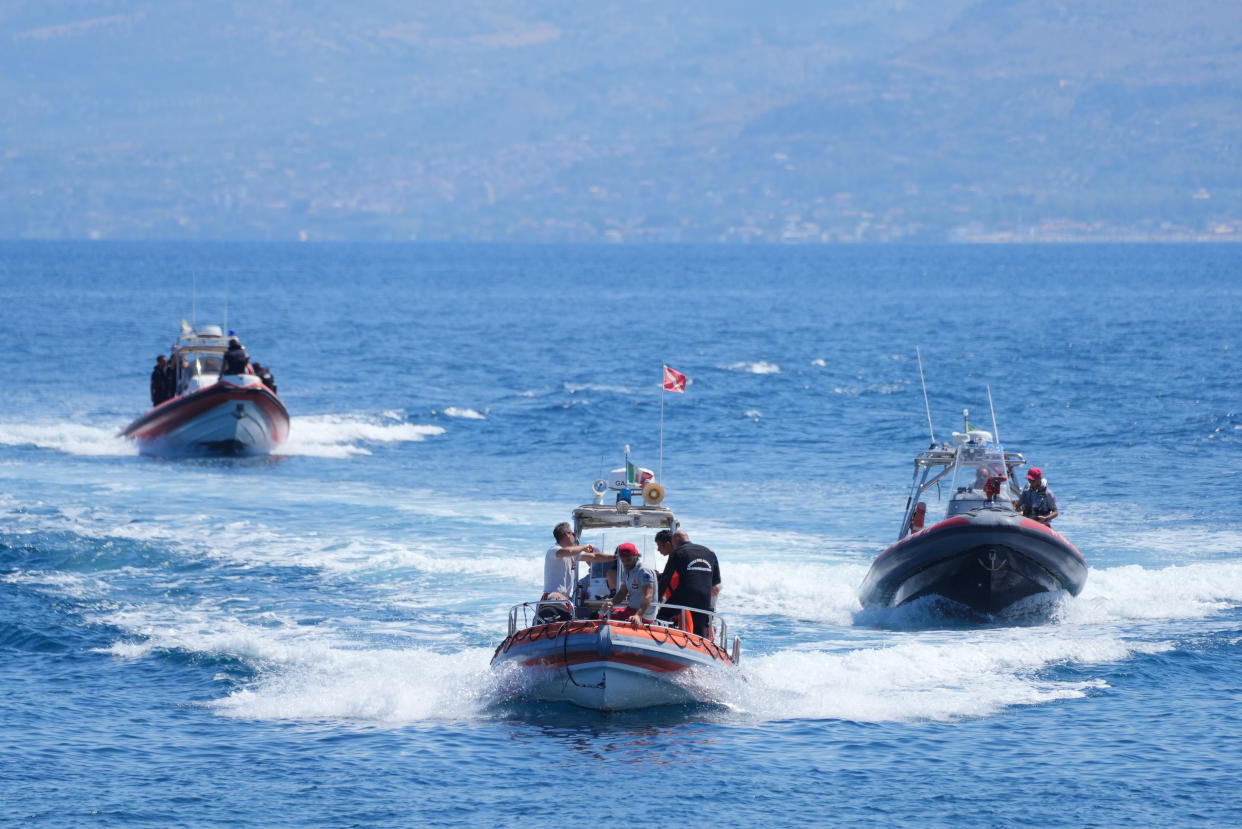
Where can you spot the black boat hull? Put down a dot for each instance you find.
(986, 560)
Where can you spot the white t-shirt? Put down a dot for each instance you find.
(560, 575)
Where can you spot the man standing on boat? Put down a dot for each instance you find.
(265, 375)
(236, 360)
(638, 585)
(1037, 500)
(690, 578)
(560, 565)
(159, 381)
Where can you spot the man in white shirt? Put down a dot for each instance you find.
(560, 565)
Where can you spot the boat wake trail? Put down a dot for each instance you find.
(68, 437)
(934, 667)
(323, 436)
(285, 669)
(277, 668)
(341, 436)
(925, 680)
(373, 686)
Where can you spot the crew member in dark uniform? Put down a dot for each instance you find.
(170, 379)
(691, 577)
(235, 359)
(159, 381)
(265, 374)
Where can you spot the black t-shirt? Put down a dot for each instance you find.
(691, 573)
(235, 360)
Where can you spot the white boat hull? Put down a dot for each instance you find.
(233, 417)
(609, 666)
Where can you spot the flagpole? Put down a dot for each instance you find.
(660, 391)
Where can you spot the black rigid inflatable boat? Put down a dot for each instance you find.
(983, 554)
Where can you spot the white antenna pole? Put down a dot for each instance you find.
(995, 428)
(926, 403)
(194, 300)
(226, 303)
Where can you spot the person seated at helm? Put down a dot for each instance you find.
(1037, 500)
(637, 590)
(992, 487)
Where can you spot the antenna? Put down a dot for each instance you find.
(194, 300)
(995, 428)
(227, 277)
(926, 403)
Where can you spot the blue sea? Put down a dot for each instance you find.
(305, 640)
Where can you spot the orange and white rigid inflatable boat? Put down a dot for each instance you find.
(209, 412)
(559, 651)
(611, 665)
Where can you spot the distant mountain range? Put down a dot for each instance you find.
(791, 120)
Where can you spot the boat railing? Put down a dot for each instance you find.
(527, 615)
(719, 627)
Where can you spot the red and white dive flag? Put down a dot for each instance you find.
(674, 380)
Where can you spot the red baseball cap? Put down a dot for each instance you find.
(627, 549)
(1034, 474)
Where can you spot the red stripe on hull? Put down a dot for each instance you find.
(571, 659)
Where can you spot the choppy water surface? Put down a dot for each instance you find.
(305, 640)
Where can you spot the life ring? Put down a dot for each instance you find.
(653, 494)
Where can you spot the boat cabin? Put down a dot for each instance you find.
(605, 526)
(973, 471)
(198, 356)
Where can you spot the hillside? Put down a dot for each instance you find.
(995, 120)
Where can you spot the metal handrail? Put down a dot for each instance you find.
(528, 610)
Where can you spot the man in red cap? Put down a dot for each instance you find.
(1037, 500)
(638, 583)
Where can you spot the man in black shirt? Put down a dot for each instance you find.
(691, 577)
(158, 382)
(235, 359)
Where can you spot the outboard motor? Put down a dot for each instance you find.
(548, 614)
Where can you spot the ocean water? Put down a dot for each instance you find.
(304, 641)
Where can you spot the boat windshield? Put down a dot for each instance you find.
(205, 363)
(979, 480)
(197, 369)
(597, 583)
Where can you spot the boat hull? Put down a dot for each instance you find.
(223, 419)
(607, 666)
(986, 560)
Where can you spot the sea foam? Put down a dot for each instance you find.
(68, 437)
(340, 436)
